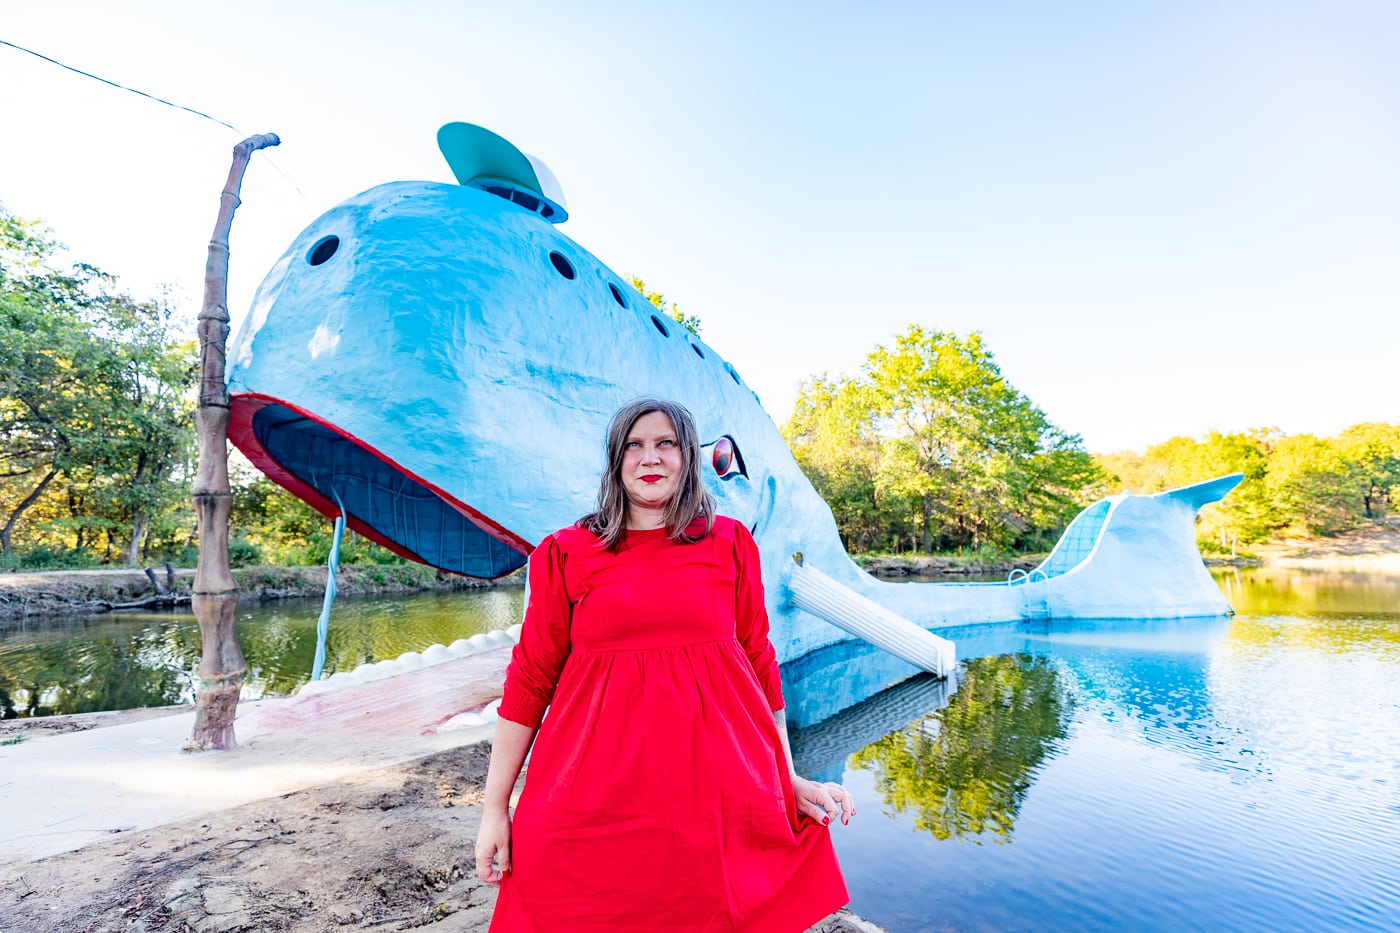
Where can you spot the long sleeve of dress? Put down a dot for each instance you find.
(539, 656)
(751, 617)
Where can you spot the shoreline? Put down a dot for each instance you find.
(37, 594)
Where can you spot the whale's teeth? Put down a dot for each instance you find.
(414, 660)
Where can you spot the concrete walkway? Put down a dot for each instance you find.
(59, 792)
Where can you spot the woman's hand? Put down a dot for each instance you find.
(493, 847)
(823, 802)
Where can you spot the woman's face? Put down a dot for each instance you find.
(651, 462)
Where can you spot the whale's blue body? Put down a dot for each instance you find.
(442, 362)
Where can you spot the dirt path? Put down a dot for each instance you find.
(388, 849)
(1374, 548)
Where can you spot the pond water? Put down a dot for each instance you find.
(1219, 774)
(1223, 774)
(128, 660)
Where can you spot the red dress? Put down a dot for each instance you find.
(657, 797)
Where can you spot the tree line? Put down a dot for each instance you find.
(928, 448)
(95, 426)
(1294, 484)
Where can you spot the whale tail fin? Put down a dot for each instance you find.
(1082, 535)
(1199, 494)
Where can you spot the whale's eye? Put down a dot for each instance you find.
(723, 455)
(324, 249)
(725, 458)
(562, 265)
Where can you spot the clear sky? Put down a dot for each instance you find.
(1165, 218)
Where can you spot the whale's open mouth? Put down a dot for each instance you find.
(328, 468)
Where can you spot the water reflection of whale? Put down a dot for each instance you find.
(1153, 677)
(1150, 672)
(844, 696)
(821, 747)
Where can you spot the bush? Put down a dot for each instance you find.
(50, 557)
(182, 555)
(243, 553)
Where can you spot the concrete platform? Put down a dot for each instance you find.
(59, 792)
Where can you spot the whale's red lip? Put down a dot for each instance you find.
(319, 462)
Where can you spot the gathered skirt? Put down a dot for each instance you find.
(657, 798)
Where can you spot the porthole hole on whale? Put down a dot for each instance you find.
(660, 325)
(698, 352)
(323, 250)
(562, 265)
(617, 295)
(729, 368)
(401, 511)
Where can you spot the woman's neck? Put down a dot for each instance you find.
(645, 519)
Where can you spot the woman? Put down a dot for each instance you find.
(661, 794)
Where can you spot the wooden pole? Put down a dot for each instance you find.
(215, 598)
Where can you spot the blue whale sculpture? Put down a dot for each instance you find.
(440, 362)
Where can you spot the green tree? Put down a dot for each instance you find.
(141, 478)
(1248, 514)
(1306, 484)
(1370, 455)
(48, 358)
(94, 406)
(834, 439)
(933, 429)
(273, 521)
(987, 463)
(1293, 484)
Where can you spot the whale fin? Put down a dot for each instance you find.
(481, 159)
(1199, 494)
(825, 598)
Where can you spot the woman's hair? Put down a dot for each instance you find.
(609, 520)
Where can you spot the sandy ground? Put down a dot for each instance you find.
(387, 849)
(354, 810)
(1374, 548)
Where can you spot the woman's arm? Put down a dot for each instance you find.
(531, 678)
(508, 750)
(538, 658)
(780, 720)
(822, 802)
